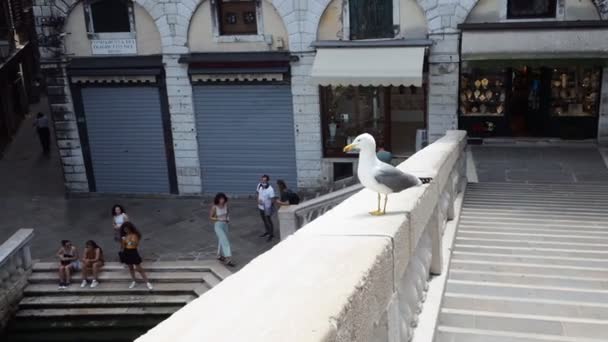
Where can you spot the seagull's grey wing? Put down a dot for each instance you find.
(395, 179)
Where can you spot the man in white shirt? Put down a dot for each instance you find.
(266, 197)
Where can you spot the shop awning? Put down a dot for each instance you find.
(551, 43)
(384, 66)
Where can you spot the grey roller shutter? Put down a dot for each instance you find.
(244, 131)
(126, 141)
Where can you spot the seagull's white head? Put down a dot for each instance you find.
(364, 142)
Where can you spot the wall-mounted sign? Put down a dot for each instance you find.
(114, 46)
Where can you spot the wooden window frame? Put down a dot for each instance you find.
(258, 37)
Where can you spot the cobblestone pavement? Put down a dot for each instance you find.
(32, 195)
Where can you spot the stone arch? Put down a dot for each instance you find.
(468, 5)
(65, 7)
(429, 7)
(267, 18)
(187, 8)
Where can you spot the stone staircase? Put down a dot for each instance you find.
(111, 311)
(529, 264)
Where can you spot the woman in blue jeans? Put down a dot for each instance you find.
(219, 215)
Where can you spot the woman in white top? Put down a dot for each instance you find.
(119, 216)
(219, 215)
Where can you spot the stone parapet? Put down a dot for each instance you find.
(346, 276)
(15, 266)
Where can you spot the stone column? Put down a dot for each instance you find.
(443, 85)
(183, 126)
(307, 122)
(602, 131)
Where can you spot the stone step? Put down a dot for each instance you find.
(523, 306)
(101, 334)
(212, 266)
(548, 252)
(572, 295)
(99, 301)
(551, 325)
(545, 215)
(85, 322)
(71, 313)
(113, 288)
(536, 259)
(507, 242)
(555, 237)
(515, 217)
(532, 229)
(548, 281)
(123, 276)
(490, 223)
(456, 334)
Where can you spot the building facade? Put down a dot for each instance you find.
(17, 65)
(191, 97)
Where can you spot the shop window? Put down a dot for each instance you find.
(371, 19)
(483, 92)
(109, 16)
(529, 9)
(350, 111)
(575, 91)
(237, 17)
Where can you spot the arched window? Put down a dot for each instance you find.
(109, 16)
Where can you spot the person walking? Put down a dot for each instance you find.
(44, 132)
(131, 255)
(68, 263)
(266, 197)
(92, 262)
(286, 195)
(220, 218)
(119, 216)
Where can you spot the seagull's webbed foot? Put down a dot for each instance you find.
(377, 213)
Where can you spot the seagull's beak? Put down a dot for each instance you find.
(349, 148)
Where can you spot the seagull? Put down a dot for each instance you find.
(378, 176)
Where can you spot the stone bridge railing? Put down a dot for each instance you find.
(15, 266)
(346, 276)
(294, 217)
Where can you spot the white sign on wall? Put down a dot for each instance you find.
(114, 46)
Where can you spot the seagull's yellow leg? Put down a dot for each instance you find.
(377, 212)
(385, 200)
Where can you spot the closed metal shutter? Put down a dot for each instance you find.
(126, 140)
(244, 131)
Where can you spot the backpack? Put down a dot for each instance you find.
(292, 197)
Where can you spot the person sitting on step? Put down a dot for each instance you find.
(68, 263)
(92, 262)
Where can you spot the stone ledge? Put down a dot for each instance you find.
(344, 277)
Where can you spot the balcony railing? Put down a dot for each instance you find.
(345, 276)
